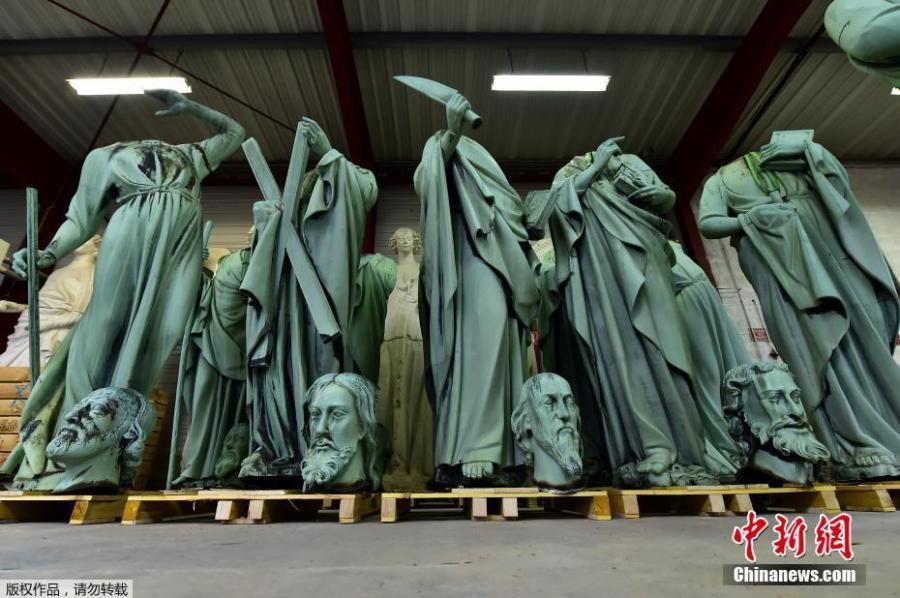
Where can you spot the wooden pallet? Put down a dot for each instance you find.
(77, 509)
(245, 506)
(882, 497)
(498, 504)
(15, 385)
(722, 500)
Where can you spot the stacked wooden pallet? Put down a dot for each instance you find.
(76, 509)
(14, 388)
(881, 497)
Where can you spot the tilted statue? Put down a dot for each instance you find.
(613, 283)
(826, 292)
(403, 407)
(716, 347)
(215, 371)
(547, 426)
(234, 451)
(101, 443)
(479, 299)
(763, 405)
(302, 272)
(346, 452)
(869, 32)
(63, 298)
(146, 280)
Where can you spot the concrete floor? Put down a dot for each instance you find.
(653, 556)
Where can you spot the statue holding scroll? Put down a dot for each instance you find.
(301, 282)
(145, 283)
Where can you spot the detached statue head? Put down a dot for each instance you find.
(101, 444)
(341, 432)
(405, 241)
(547, 426)
(235, 447)
(763, 405)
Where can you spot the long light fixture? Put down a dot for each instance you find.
(127, 85)
(895, 91)
(550, 82)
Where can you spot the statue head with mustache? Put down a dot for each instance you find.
(547, 426)
(344, 449)
(763, 405)
(101, 443)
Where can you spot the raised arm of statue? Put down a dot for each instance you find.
(229, 134)
(714, 221)
(456, 112)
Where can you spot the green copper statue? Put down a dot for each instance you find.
(869, 32)
(346, 452)
(302, 287)
(765, 412)
(613, 283)
(375, 280)
(146, 278)
(215, 371)
(101, 443)
(827, 294)
(234, 451)
(716, 347)
(478, 300)
(547, 426)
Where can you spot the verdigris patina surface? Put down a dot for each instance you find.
(869, 32)
(346, 451)
(613, 283)
(547, 426)
(301, 283)
(827, 294)
(101, 443)
(716, 347)
(763, 405)
(215, 370)
(478, 300)
(145, 282)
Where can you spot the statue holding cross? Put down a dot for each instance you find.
(301, 282)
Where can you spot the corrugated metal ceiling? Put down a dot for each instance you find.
(653, 96)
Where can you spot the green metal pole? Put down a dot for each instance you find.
(34, 318)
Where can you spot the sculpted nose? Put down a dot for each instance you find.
(321, 427)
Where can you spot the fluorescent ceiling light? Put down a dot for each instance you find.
(127, 85)
(895, 91)
(550, 82)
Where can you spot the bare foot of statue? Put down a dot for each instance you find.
(477, 469)
(656, 462)
(869, 456)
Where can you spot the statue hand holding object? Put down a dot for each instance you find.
(20, 261)
(602, 156)
(315, 136)
(456, 117)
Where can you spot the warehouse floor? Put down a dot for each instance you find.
(676, 556)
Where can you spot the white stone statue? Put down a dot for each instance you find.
(63, 299)
(403, 407)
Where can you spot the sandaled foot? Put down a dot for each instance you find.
(477, 469)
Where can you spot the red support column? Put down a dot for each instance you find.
(709, 131)
(346, 81)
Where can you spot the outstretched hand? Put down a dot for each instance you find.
(174, 101)
(19, 263)
(315, 137)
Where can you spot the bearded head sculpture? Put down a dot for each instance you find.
(344, 449)
(763, 405)
(101, 444)
(547, 427)
(235, 447)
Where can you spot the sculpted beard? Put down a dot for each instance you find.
(323, 462)
(790, 439)
(565, 449)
